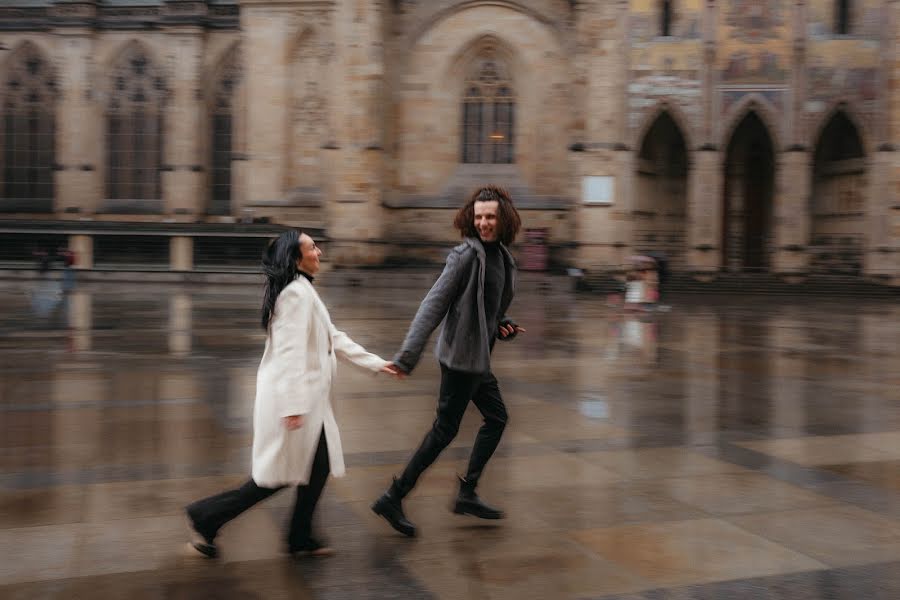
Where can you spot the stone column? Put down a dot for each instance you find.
(704, 213)
(791, 200)
(355, 217)
(183, 187)
(792, 213)
(78, 187)
(181, 253)
(265, 26)
(83, 247)
(603, 231)
(703, 255)
(883, 200)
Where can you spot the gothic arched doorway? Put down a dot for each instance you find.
(747, 202)
(837, 202)
(661, 197)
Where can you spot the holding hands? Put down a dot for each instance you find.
(394, 371)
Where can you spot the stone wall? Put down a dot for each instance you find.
(347, 115)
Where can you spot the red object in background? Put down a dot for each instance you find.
(535, 252)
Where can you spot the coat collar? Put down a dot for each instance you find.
(479, 250)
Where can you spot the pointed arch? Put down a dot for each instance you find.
(757, 104)
(748, 194)
(661, 181)
(843, 107)
(29, 96)
(135, 129)
(837, 207)
(226, 80)
(674, 112)
(440, 15)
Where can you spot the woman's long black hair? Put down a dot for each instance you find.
(280, 267)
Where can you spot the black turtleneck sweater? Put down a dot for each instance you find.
(494, 281)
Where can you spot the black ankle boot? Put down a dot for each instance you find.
(390, 507)
(468, 503)
(201, 541)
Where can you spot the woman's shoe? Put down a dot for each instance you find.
(201, 542)
(311, 547)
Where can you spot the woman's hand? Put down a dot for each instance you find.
(293, 422)
(392, 370)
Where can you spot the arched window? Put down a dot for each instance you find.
(28, 133)
(666, 18)
(842, 17)
(227, 80)
(488, 113)
(134, 133)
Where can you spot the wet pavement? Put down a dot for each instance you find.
(742, 448)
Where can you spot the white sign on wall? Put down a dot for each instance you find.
(597, 190)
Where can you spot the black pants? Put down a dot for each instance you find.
(457, 388)
(210, 514)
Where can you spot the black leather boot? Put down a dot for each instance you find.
(468, 503)
(390, 507)
(201, 541)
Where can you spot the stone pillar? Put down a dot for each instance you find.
(603, 231)
(265, 26)
(791, 213)
(883, 201)
(704, 213)
(183, 187)
(703, 255)
(83, 247)
(78, 187)
(181, 253)
(882, 228)
(355, 217)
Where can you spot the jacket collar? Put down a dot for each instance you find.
(479, 250)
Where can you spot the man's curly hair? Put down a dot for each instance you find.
(508, 221)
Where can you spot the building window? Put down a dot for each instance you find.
(666, 18)
(134, 134)
(488, 113)
(842, 17)
(28, 133)
(222, 146)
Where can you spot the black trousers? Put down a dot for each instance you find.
(210, 514)
(457, 389)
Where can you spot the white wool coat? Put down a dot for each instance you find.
(295, 377)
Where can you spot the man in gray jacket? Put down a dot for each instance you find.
(471, 298)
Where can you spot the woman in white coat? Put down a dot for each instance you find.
(295, 435)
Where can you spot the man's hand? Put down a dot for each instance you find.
(293, 422)
(393, 370)
(510, 330)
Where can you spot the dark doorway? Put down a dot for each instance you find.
(749, 188)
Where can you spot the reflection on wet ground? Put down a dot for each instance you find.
(726, 449)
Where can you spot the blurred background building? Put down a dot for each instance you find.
(731, 135)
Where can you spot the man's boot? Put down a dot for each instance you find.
(390, 507)
(468, 503)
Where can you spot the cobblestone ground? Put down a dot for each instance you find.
(726, 449)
